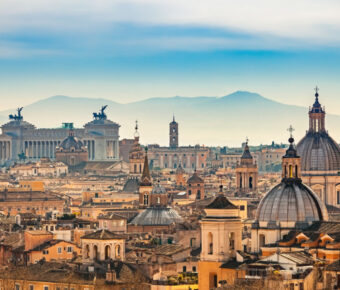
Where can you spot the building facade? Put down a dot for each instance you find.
(21, 140)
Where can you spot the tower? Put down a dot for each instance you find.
(246, 172)
(317, 115)
(195, 187)
(221, 237)
(136, 155)
(173, 133)
(145, 186)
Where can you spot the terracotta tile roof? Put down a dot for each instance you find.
(103, 235)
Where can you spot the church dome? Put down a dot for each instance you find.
(158, 189)
(71, 142)
(319, 152)
(157, 217)
(291, 202)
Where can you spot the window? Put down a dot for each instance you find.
(17, 287)
(59, 250)
(31, 287)
(338, 197)
(241, 207)
(46, 287)
(210, 244)
(184, 268)
(194, 268)
(69, 249)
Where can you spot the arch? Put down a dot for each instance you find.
(262, 240)
(290, 171)
(250, 182)
(210, 243)
(95, 252)
(231, 238)
(158, 200)
(285, 171)
(107, 252)
(135, 168)
(146, 199)
(118, 251)
(140, 168)
(198, 196)
(87, 251)
(240, 181)
(296, 171)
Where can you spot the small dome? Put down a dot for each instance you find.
(158, 189)
(71, 142)
(157, 216)
(319, 152)
(291, 202)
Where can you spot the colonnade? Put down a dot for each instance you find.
(5, 150)
(39, 149)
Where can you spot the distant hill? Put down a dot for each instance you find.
(205, 120)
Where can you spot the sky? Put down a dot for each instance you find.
(129, 50)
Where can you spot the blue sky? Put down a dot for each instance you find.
(135, 49)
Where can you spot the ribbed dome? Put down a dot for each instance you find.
(319, 152)
(291, 202)
(157, 216)
(71, 142)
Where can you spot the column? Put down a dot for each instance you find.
(9, 150)
(93, 150)
(0, 150)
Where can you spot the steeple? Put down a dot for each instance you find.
(317, 115)
(246, 156)
(291, 162)
(146, 178)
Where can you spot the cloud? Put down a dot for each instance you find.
(265, 24)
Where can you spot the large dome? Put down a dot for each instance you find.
(291, 202)
(319, 152)
(157, 217)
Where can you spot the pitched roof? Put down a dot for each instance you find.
(221, 202)
(103, 235)
(246, 153)
(195, 178)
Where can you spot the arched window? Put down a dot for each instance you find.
(285, 171)
(210, 244)
(87, 251)
(198, 194)
(250, 182)
(231, 238)
(296, 171)
(135, 168)
(189, 192)
(107, 252)
(240, 181)
(95, 252)
(118, 251)
(140, 168)
(262, 240)
(290, 171)
(146, 199)
(158, 200)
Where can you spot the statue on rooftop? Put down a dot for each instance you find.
(17, 117)
(101, 115)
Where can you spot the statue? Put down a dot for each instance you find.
(17, 117)
(101, 115)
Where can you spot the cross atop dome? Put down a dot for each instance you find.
(291, 130)
(136, 130)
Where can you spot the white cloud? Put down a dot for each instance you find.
(314, 21)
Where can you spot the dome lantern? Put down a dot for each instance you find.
(291, 162)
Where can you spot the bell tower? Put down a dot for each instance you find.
(246, 172)
(145, 186)
(173, 142)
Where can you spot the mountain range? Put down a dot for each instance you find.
(217, 121)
